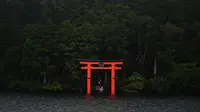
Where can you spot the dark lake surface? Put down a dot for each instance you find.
(16, 102)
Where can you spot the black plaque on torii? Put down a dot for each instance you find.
(101, 64)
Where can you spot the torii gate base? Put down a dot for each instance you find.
(90, 66)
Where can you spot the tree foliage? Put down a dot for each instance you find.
(41, 41)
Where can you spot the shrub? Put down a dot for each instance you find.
(134, 83)
(55, 86)
(158, 84)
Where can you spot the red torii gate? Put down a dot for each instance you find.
(90, 66)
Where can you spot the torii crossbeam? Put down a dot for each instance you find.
(90, 66)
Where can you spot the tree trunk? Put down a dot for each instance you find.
(155, 66)
(44, 80)
(125, 75)
(105, 78)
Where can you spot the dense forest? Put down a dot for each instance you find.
(42, 40)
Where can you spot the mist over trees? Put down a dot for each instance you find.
(42, 40)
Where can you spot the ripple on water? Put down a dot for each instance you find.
(33, 103)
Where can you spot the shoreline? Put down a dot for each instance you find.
(75, 93)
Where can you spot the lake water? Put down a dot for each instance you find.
(65, 103)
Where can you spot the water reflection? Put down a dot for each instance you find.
(63, 103)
